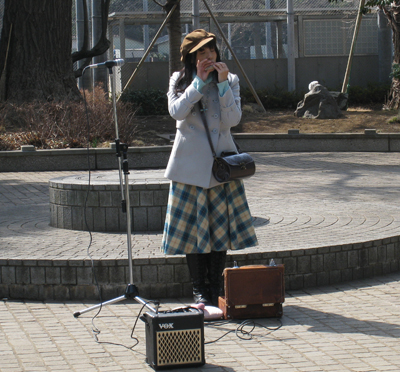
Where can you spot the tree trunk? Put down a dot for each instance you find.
(175, 34)
(39, 63)
(393, 16)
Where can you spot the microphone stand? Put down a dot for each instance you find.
(131, 291)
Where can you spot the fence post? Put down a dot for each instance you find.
(195, 14)
(290, 41)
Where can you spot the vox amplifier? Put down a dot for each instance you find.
(174, 339)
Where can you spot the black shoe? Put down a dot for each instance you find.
(197, 264)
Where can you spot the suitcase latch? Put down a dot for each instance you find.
(266, 305)
(240, 306)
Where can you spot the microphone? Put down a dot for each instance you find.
(109, 64)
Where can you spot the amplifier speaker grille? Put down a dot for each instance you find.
(174, 339)
(179, 347)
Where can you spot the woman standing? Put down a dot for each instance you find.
(204, 217)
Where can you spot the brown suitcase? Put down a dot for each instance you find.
(254, 291)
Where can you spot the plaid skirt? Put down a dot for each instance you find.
(202, 220)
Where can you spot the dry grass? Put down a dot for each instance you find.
(354, 120)
(65, 125)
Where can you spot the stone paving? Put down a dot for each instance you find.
(299, 201)
(349, 327)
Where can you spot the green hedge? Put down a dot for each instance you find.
(147, 102)
(372, 94)
(155, 102)
(277, 99)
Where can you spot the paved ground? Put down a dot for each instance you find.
(299, 201)
(351, 327)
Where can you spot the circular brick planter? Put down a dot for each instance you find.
(148, 192)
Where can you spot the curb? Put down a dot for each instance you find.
(29, 159)
(169, 277)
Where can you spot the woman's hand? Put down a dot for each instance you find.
(222, 70)
(204, 67)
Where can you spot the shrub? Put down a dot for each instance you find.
(277, 99)
(147, 102)
(155, 102)
(280, 99)
(50, 125)
(372, 94)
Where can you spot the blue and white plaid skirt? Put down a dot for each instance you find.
(202, 220)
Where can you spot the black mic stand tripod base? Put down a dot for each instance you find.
(131, 291)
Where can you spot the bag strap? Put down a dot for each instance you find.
(203, 116)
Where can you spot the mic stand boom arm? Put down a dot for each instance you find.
(131, 291)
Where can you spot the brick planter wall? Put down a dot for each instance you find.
(169, 278)
(148, 201)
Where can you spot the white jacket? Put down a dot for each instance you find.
(191, 158)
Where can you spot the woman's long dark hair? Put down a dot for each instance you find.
(186, 74)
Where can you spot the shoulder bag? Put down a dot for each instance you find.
(228, 166)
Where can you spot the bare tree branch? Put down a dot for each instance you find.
(79, 72)
(102, 45)
(162, 6)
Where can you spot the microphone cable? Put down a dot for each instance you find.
(240, 331)
(95, 330)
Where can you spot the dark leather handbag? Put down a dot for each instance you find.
(229, 166)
